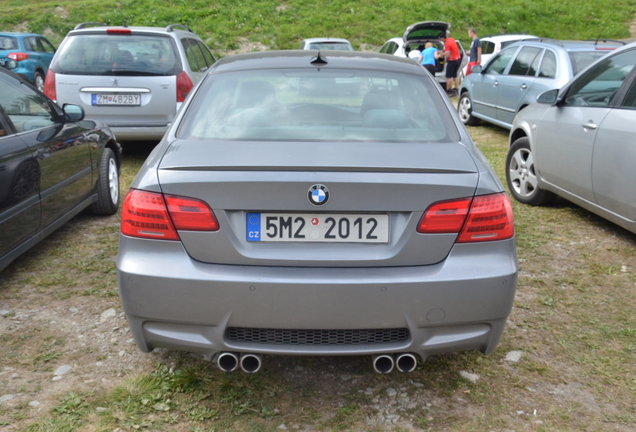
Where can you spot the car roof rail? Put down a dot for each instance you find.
(596, 41)
(548, 40)
(89, 24)
(171, 27)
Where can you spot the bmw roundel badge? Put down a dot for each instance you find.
(318, 194)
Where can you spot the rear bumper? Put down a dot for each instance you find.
(139, 132)
(174, 302)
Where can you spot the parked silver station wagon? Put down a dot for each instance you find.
(132, 78)
(280, 215)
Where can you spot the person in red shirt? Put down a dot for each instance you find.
(454, 59)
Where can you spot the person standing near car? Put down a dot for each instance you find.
(416, 55)
(475, 51)
(429, 57)
(454, 60)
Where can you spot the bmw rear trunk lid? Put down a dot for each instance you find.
(277, 180)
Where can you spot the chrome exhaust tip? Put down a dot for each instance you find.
(383, 363)
(227, 362)
(406, 362)
(250, 363)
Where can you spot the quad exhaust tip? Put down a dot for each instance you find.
(406, 362)
(228, 362)
(250, 363)
(383, 363)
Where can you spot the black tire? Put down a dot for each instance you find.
(107, 185)
(38, 80)
(521, 177)
(465, 110)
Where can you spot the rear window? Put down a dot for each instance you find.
(8, 43)
(102, 54)
(318, 105)
(342, 46)
(582, 59)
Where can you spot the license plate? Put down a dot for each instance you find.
(116, 99)
(324, 228)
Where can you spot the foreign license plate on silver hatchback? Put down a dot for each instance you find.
(324, 228)
(116, 99)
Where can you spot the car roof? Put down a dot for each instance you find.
(302, 59)
(18, 34)
(102, 28)
(508, 36)
(586, 45)
(325, 39)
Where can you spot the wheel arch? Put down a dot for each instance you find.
(516, 134)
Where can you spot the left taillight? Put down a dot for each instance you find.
(482, 218)
(17, 56)
(184, 85)
(49, 86)
(155, 216)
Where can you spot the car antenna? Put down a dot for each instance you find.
(318, 59)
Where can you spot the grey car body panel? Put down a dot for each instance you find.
(183, 295)
(174, 301)
(498, 98)
(589, 167)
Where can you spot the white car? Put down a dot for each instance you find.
(418, 34)
(492, 44)
(325, 43)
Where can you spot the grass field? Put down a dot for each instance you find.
(227, 24)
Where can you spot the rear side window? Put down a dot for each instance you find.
(318, 105)
(548, 65)
(523, 64)
(487, 47)
(8, 43)
(196, 61)
(111, 54)
(582, 59)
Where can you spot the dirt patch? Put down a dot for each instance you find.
(245, 46)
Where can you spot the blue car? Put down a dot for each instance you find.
(31, 52)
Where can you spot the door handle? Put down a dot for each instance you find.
(523, 86)
(590, 125)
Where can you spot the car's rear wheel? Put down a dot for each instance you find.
(465, 110)
(107, 185)
(38, 80)
(521, 177)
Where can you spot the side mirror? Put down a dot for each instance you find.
(73, 112)
(476, 69)
(549, 97)
(10, 64)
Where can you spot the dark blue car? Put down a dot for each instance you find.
(32, 53)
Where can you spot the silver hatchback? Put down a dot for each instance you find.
(132, 78)
(281, 217)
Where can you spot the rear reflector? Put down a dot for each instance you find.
(482, 218)
(17, 56)
(150, 215)
(118, 31)
(444, 217)
(49, 86)
(184, 85)
(189, 214)
(490, 219)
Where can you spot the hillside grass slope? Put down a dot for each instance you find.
(226, 25)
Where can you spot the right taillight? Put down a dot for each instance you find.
(184, 85)
(151, 215)
(49, 86)
(482, 218)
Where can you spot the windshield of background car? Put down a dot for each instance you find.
(8, 43)
(111, 54)
(582, 59)
(342, 46)
(318, 105)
